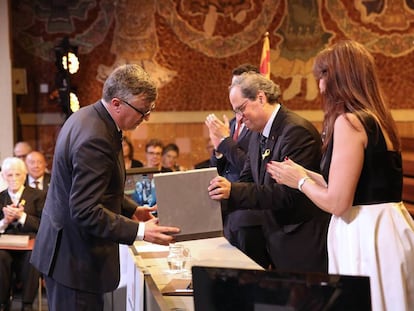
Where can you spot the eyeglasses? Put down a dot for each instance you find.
(143, 114)
(151, 153)
(241, 108)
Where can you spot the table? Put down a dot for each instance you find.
(29, 247)
(148, 274)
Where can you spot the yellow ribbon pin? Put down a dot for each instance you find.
(265, 154)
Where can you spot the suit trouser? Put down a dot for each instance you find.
(63, 298)
(17, 263)
(243, 229)
(302, 250)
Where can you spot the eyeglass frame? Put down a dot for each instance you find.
(143, 114)
(242, 107)
(152, 153)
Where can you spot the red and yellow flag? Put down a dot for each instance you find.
(265, 59)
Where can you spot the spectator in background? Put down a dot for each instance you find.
(170, 154)
(207, 162)
(37, 176)
(21, 150)
(20, 214)
(128, 150)
(153, 151)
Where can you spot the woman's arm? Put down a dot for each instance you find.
(350, 140)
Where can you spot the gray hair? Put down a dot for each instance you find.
(251, 83)
(13, 162)
(129, 80)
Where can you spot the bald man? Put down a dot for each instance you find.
(37, 177)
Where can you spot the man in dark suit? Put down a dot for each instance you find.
(243, 227)
(294, 228)
(21, 208)
(86, 214)
(37, 177)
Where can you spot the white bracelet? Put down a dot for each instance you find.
(301, 182)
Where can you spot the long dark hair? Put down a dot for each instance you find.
(352, 85)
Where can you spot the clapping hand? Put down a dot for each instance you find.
(12, 213)
(217, 129)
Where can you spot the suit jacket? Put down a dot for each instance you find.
(295, 229)
(81, 226)
(35, 200)
(46, 181)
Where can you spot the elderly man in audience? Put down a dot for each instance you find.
(37, 176)
(20, 214)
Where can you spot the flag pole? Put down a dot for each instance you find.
(265, 57)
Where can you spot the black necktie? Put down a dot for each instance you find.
(263, 141)
(36, 183)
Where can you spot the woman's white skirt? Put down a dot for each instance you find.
(376, 241)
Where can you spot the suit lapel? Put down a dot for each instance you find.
(273, 144)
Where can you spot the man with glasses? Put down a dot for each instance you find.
(153, 153)
(86, 215)
(294, 228)
(242, 227)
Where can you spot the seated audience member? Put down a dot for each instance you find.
(20, 214)
(170, 154)
(37, 177)
(21, 150)
(206, 163)
(128, 150)
(153, 151)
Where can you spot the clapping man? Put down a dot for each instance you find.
(294, 228)
(20, 214)
(242, 227)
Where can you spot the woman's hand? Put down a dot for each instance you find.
(287, 172)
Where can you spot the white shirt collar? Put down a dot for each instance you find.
(15, 197)
(268, 126)
(32, 180)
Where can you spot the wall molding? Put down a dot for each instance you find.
(182, 117)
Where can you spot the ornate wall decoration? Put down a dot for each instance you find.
(135, 40)
(250, 28)
(302, 35)
(60, 19)
(381, 32)
(387, 14)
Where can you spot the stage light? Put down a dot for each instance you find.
(67, 63)
(74, 102)
(70, 63)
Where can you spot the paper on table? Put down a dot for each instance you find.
(14, 240)
(178, 287)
